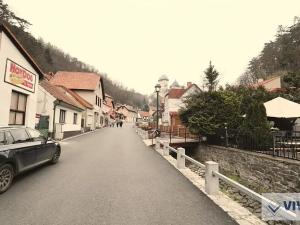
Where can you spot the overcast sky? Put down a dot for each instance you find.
(136, 41)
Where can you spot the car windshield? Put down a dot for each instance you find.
(2, 138)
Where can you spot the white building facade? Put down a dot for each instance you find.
(128, 112)
(19, 77)
(58, 111)
(174, 101)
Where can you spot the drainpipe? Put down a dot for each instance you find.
(55, 103)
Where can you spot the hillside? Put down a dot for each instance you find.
(53, 59)
(278, 57)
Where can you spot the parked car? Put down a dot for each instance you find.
(22, 149)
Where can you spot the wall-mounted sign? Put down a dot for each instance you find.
(19, 76)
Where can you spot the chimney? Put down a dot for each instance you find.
(49, 76)
(189, 84)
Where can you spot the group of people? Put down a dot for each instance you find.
(118, 122)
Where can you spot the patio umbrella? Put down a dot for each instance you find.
(282, 108)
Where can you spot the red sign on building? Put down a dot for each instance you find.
(19, 76)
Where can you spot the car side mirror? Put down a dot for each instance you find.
(46, 139)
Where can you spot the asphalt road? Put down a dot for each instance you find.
(107, 177)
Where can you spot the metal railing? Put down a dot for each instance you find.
(285, 144)
(212, 175)
(178, 133)
(175, 132)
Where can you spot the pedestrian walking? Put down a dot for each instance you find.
(121, 123)
(118, 122)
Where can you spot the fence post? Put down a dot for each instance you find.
(157, 144)
(274, 143)
(180, 159)
(166, 149)
(226, 136)
(211, 181)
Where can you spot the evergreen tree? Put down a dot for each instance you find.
(211, 77)
(206, 113)
(278, 57)
(292, 79)
(255, 130)
(9, 18)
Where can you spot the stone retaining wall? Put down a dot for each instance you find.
(262, 173)
(259, 172)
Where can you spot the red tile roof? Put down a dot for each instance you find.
(60, 94)
(262, 83)
(76, 80)
(176, 93)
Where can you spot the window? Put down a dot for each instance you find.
(98, 101)
(75, 118)
(62, 116)
(17, 108)
(35, 135)
(96, 116)
(20, 135)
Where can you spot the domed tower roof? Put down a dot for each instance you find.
(163, 77)
(175, 84)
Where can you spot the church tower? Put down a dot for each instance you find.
(164, 83)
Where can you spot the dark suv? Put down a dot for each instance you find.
(22, 149)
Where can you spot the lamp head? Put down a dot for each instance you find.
(157, 88)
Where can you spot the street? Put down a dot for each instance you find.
(107, 177)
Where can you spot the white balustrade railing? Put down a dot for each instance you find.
(212, 174)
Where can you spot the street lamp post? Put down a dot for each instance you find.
(157, 89)
(226, 134)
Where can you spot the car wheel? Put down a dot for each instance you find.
(6, 177)
(55, 157)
